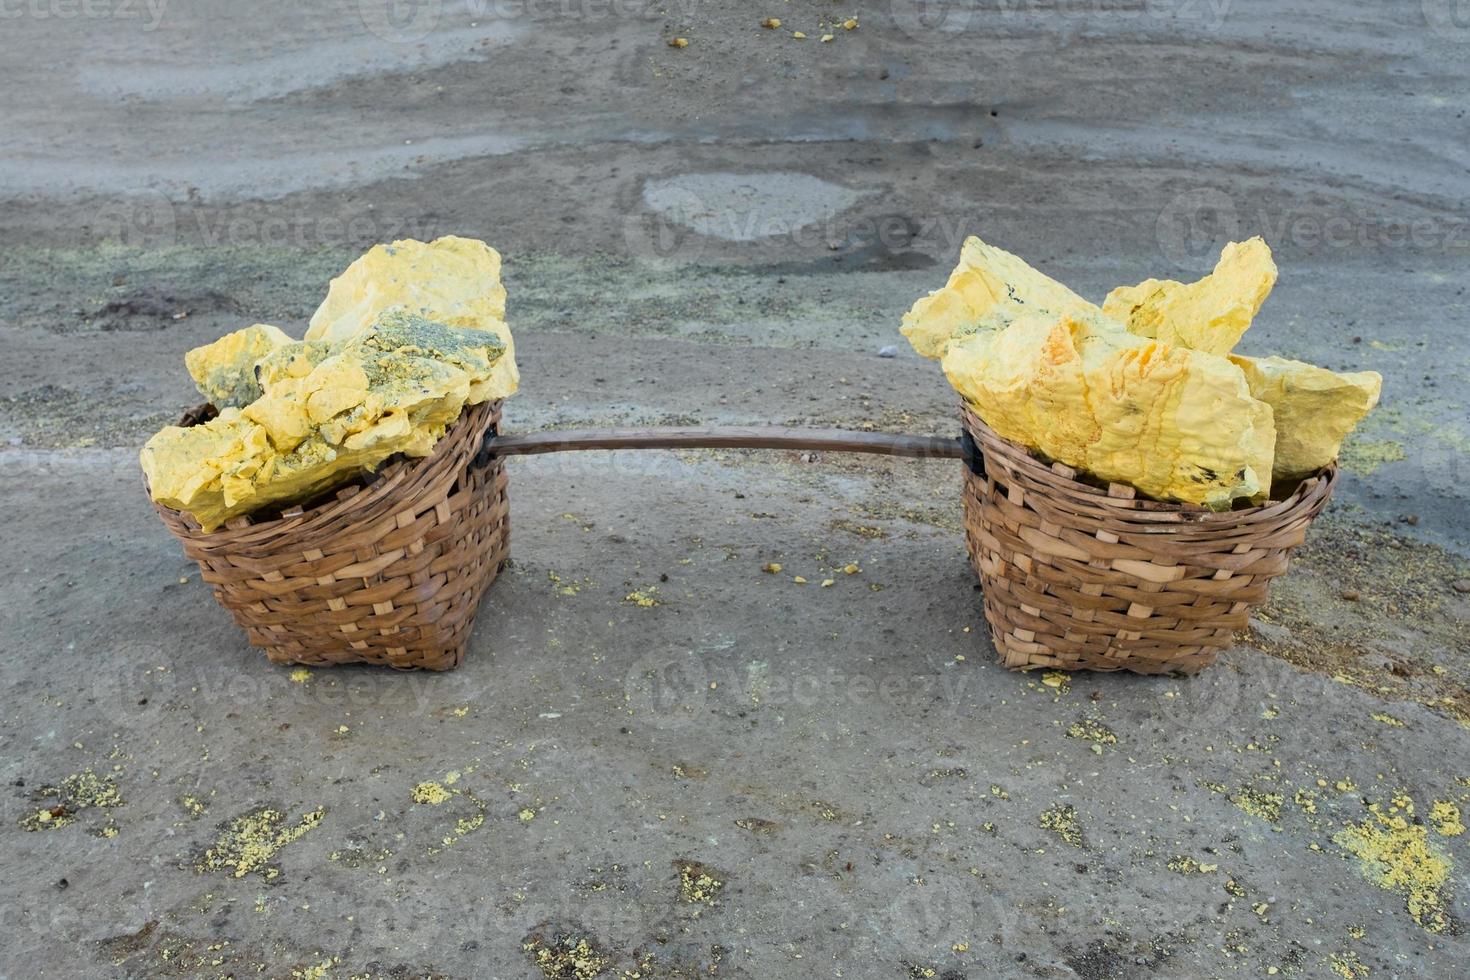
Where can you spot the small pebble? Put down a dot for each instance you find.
(1351, 595)
(889, 351)
(679, 42)
(1463, 585)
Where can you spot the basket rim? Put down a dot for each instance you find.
(1310, 492)
(346, 505)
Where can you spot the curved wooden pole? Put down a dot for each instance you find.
(726, 437)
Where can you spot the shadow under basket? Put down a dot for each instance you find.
(1083, 577)
(389, 571)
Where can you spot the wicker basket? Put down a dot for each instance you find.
(387, 572)
(1077, 576)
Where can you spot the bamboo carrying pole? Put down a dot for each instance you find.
(725, 437)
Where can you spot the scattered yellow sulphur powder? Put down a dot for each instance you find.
(1398, 856)
(1446, 817)
(429, 792)
(77, 792)
(1347, 965)
(527, 814)
(642, 597)
(1092, 731)
(1259, 803)
(300, 675)
(1189, 866)
(249, 842)
(1061, 819)
(1362, 457)
(699, 884)
(1388, 720)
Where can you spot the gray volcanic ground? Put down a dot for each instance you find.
(751, 778)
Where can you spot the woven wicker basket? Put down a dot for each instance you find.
(387, 572)
(1077, 576)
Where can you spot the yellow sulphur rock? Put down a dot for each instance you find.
(1210, 315)
(329, 412)
(224, 371)
(1315, 409)
(452, 280)
(1142, 390)
(987, 282)
(1175, 423)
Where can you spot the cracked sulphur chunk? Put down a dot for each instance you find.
(1209, 315)
(452, 281)
(1143, 390)
(224, 371)
(1315, 409)
(329, 413)
(476, 352)
(304, 436)
(988, 282)
(1177, 424)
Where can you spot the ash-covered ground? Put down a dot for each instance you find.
(660, 760)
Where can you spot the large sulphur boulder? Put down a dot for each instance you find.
(453, 281)
(1175, 423)
(328, 412)
(1211, 314)
(1315, 409)
(1143, 390)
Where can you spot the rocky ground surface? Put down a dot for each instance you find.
(660, 760)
